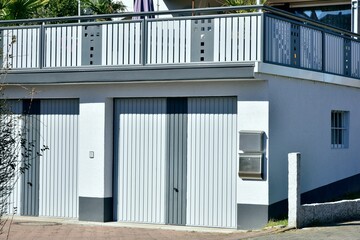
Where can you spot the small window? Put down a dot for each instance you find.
(339, 129)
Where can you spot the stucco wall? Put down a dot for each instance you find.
(300, 121)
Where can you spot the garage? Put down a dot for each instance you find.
(49, 188)
(175, 161)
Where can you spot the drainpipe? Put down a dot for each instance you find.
(355, 16)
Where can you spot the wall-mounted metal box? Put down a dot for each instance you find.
(250, 166)
(251, 155)
(251, 141)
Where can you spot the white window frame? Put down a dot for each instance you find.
(339, 129)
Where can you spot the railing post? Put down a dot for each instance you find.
(323, 51)
(262, 39)
(294, 160)
(41, 45)
(144, 42)
(355, 16)
(258, 2)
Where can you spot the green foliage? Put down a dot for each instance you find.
(20, 9)
(276, 223)
(242, 3)
(3, 8)
(25, 9)
(59, 8)
(104, 6)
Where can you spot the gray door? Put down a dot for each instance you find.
(30, 178)
(176, 164)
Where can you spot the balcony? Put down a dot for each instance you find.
(198, 37)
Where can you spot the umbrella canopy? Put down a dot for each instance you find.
(144, 6)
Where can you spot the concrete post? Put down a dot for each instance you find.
(294, 190)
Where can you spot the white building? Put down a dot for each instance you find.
(185, 120)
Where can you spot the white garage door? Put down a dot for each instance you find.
(140, 128)
(176, 161)
(49, 187)
(211, 196)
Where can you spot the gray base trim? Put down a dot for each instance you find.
(331, 191)
(279, 210)
(95, 209)
(251, 216)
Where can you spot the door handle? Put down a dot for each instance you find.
(176, 190)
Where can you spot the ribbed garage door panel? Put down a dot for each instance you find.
(140, 140)
(211, 167)
(58, 195)
(30, 178)
(14, 200)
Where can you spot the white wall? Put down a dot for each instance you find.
(254, 116)
(300, 121)
(95, 134)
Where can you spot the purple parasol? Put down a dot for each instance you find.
(143, 6)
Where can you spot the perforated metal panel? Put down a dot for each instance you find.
(202, 40)
(347, 57)
(91, 45)
(295, 45)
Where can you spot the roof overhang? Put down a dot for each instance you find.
(193, 72)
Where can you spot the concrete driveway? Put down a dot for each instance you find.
(24, 228)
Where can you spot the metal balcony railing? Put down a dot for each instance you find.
(197, 36)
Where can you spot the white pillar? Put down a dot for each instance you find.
(355, 16)
(95, 159)
(294, 190)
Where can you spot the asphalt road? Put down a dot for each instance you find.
(344, 231)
